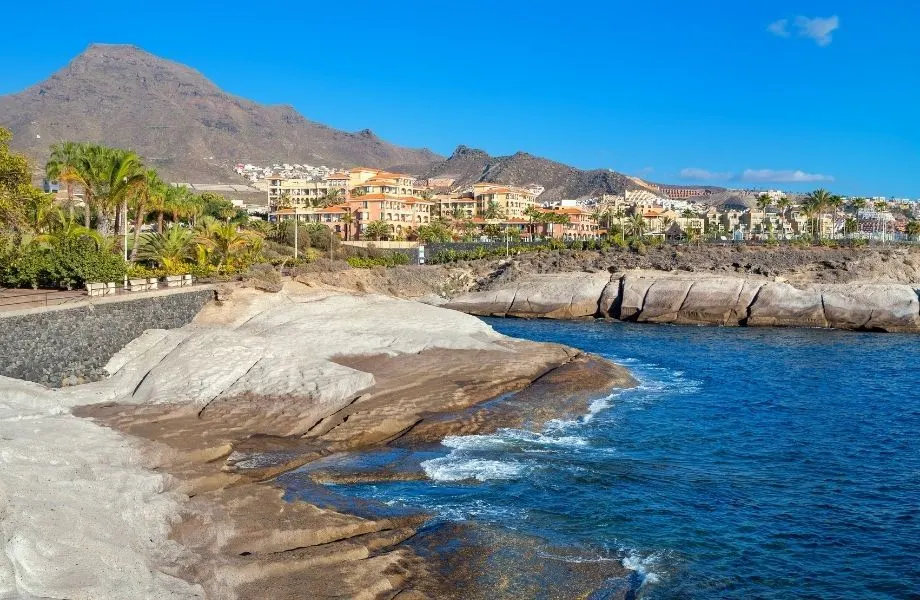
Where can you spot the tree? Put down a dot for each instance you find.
(835, 202)
(228, 246)
(818, 202)
(348, 218)
(15, 184)
(913, 229)
(636, 226)
(332, 197)
(763, 201)
(433, 233)
(62, 166)
(109, 174)
(377, 230)
(493, 211)
(171, 249)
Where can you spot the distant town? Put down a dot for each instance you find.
(350, 201)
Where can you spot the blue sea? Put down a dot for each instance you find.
(748, 463)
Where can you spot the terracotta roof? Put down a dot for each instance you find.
(337, 176)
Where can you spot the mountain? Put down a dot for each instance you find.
(178, 121)
(469, 165)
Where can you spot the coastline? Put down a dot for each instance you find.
(699, 299)
(266, 383)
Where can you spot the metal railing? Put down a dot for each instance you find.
(38, 298)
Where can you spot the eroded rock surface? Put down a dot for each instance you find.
(256, 386)
(557, 296)
(703, 299)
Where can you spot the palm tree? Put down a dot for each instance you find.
(880, 206)
(913, 229)
(332, 197)
(225, 242)
(170, 249)
(109, 174)
(493, 211)
(144, 197)
(636, 226)
(835, 202)
(819, 200)
(62, 166)
(348, 218)
(376, 230)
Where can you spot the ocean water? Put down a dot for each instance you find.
(748, 463)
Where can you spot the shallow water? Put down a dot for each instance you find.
(749, 463)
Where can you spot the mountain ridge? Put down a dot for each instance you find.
(181, 123)
(467, 165)
(178, 120)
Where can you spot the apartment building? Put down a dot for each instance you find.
(581, 225)
(511, 201)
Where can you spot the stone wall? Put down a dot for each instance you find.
(60, 346)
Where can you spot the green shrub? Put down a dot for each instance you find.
(386, 260)
(139, 271)
(638, 246)
(64, 262)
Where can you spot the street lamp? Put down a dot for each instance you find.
(124, 225)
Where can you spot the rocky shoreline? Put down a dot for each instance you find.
(699, 299)
(206, 417)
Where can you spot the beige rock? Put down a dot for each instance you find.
(492, 303)
(781, 305)
(632, 299)
(608, 306)
(557, 296)
(560, 296)
(664, 299)
(878, 306)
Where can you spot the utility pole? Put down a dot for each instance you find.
(296, 227)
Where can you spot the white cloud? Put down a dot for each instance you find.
(703, 174)
(779, 28)
(818, 29)
(782, 176)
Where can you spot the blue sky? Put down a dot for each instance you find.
(752, 93)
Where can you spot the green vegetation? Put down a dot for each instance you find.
(390, 259)
(47, 243)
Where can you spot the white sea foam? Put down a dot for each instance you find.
(459, 468)
(643, 565)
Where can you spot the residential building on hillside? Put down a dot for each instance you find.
(581, 225)
(511, 201)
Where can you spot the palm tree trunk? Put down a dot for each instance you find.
(138, 218)
(160, 222)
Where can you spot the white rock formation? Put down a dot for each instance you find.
(81, 518)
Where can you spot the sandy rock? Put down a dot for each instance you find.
(880, 306)
(79, 515)
(492, 303)
(781, 305)
(664, 299)
(632, 299)
(559, 296)
(609, 304)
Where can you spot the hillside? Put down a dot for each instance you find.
(177, 120)
(468, 166)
